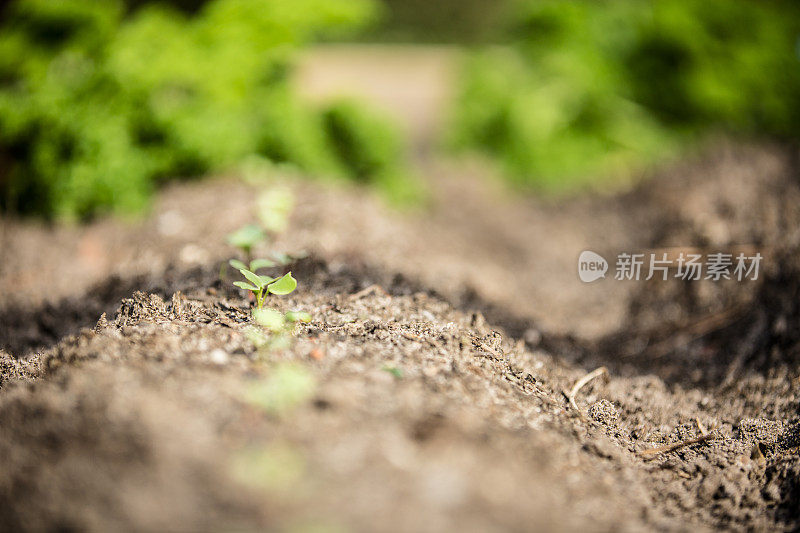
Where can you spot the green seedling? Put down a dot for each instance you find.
(286, 386)
(276, 322)
(254, 266)
(284, 259)
(274, 208)
(393, 370)
(246, 238)
(275, 328)
(276, 469)
(261, 286)
(298, 316)
(270, 319)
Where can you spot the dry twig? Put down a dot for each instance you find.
(369, 290)
(581, 383)
(704, 436)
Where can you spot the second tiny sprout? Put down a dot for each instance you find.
(261, 286)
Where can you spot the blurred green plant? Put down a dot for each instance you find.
(246, 238)
(254, 265)
(371, 151)
(273, 330)
(599, 89)
(287, 385)
(394, 371)
(276, 468)
(274, 207)
(98, 106)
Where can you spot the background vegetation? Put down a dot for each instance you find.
(590, 89)
(101, 101)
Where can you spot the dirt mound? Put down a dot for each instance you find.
(386, 403)
(443, 381)
(745, 203)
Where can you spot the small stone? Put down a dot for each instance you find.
(219, 357)
(532, 336)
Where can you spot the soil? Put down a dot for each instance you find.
(433, 388)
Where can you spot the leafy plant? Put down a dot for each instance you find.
(274, 207)
(261, 286)
(255, 264)
(286, 386)
(246, 238)
(101, 104)
(371, 151)
(273, 330)
(587, 93)
(283, 258)
(394, 371)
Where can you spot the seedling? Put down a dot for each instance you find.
(393, 370)
(261, 286)
(298, 316)
(246, 238)
(274, 207)
(276, 322)
(276, 328)
(254, 265)
(284, 259)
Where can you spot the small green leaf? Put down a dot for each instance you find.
(270, 319)
(238, 265)
(245, 286)
(281, 258)
(256, 336)
(288, 385)
(298, 316)
(393, 370)
(255, 264)
(266, 280)
(283, 285)
(274, 208)
(246, 237)
(253, 278)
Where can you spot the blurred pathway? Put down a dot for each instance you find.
(412, 84)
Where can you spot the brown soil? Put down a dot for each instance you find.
(429, 391)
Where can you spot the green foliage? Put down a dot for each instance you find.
(592, 89)
(276, 468)
(99, 106)
(261, 286)
(286, 386)
(245, 238)
(370, 149)
(298, 316)
(274, 207)
(274, 329)
(442, 21)
(394, 371)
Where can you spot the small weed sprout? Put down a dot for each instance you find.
(254, 266)
(274, 207)
(275, 328)
(246, 238)
(394, 371)
(261, 286)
